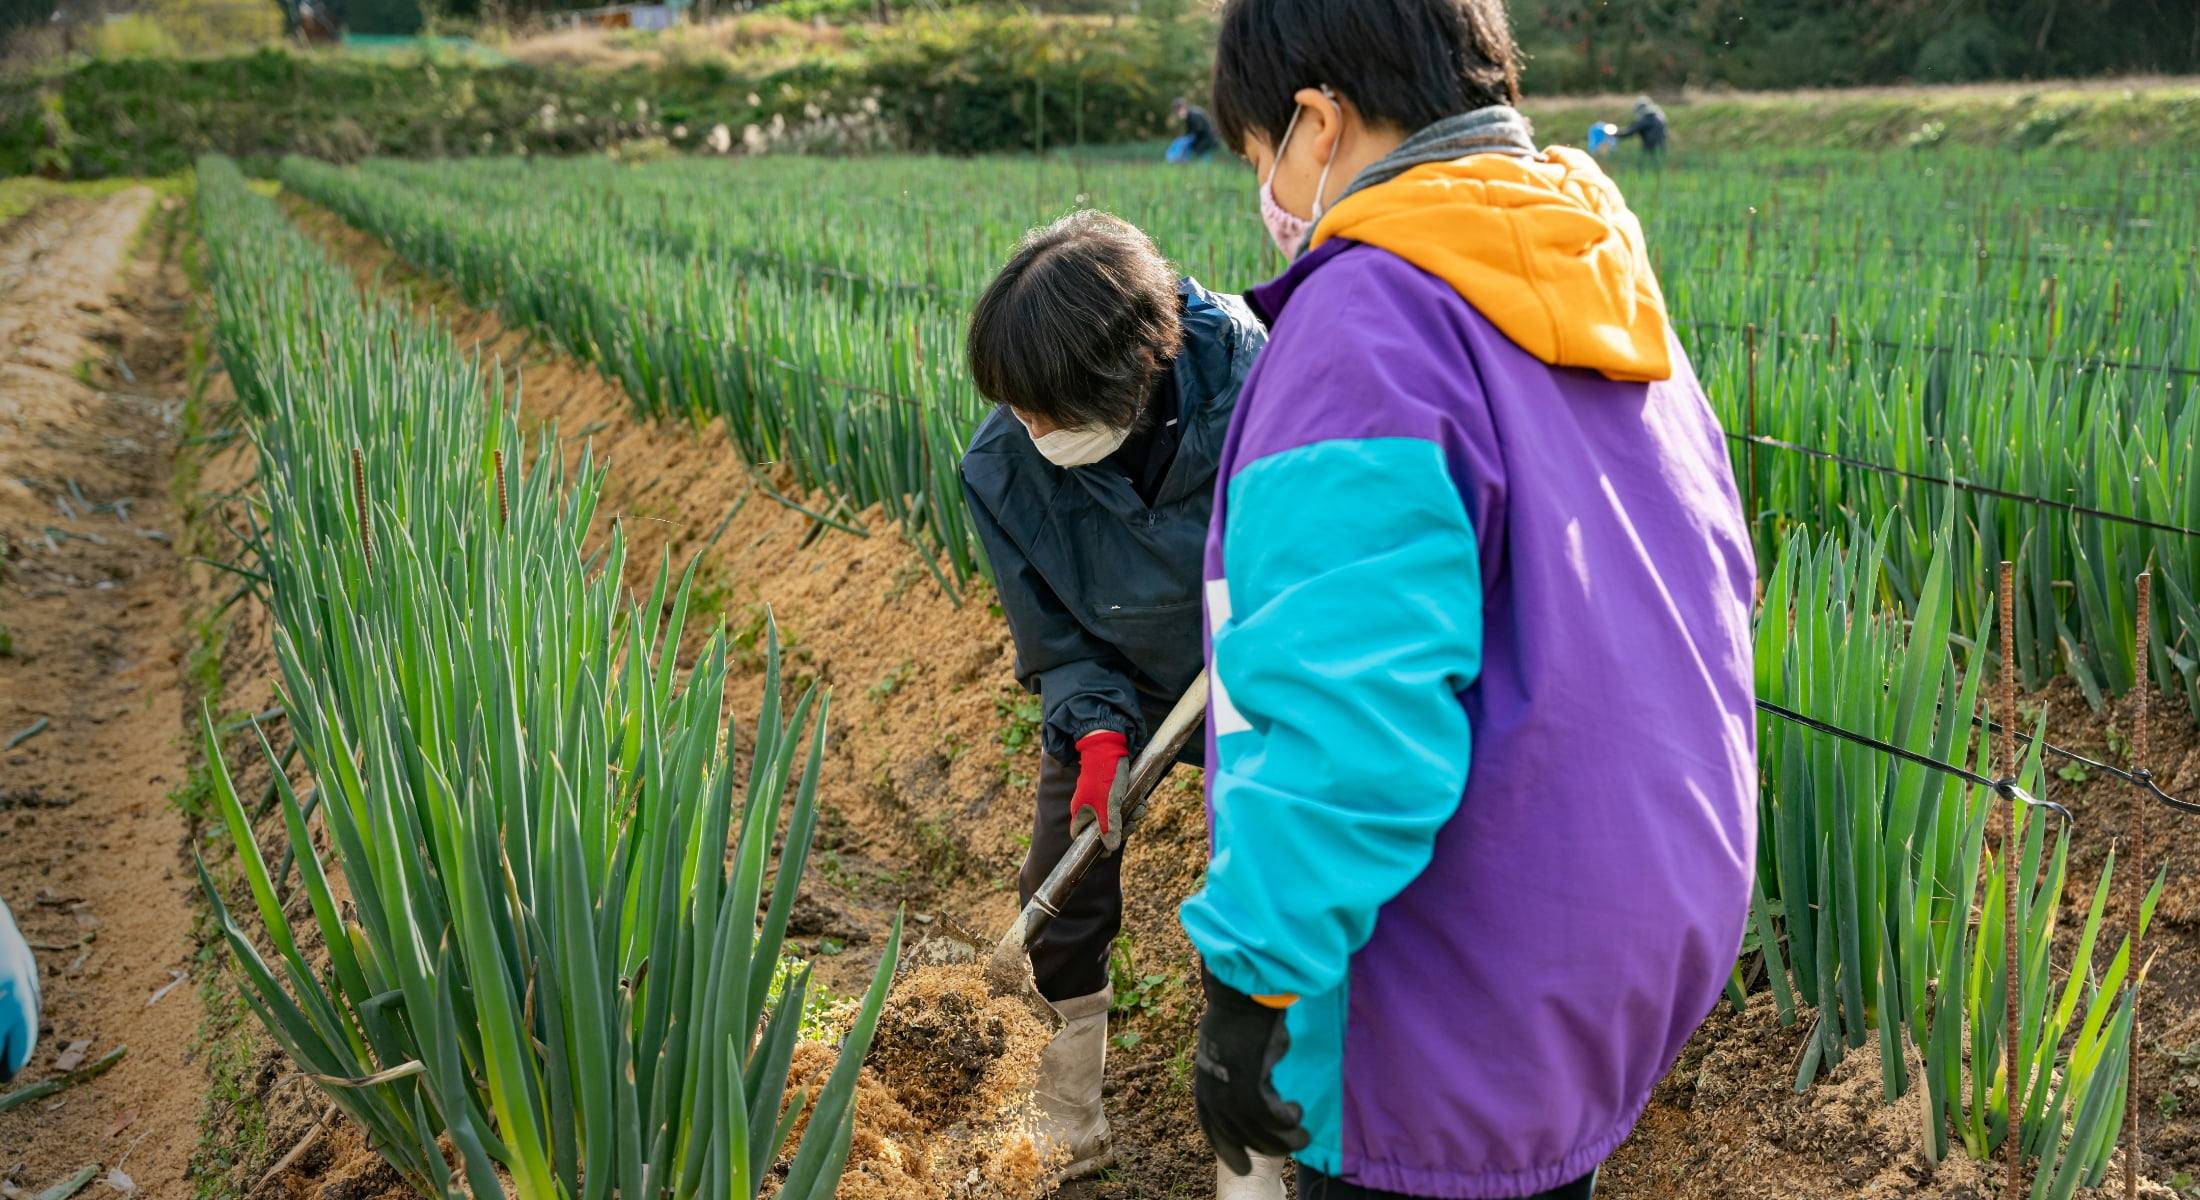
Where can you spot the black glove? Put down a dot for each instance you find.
(1240, 1042)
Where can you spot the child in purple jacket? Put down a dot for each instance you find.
(1481, 742)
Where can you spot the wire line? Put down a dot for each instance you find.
(2007, 788)
(1961, 484)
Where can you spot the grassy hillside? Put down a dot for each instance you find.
(2116, 113)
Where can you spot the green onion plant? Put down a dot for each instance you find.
(1975, 323)
(1880, 896)
(1948, 314)
(540, 860)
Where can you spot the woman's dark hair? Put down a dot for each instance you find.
(1078, 324)
(1403, 63)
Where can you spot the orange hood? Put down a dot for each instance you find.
(1548, 251)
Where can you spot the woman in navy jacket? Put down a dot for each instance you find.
(1090, 487)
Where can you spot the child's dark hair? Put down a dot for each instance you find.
(1403, 63)
(1078, 324)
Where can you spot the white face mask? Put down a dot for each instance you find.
(1078, 447)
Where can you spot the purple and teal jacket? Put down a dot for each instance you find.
(1481, 743)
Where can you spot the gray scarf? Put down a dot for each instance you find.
(1498, 129)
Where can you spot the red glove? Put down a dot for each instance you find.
(1098, 754)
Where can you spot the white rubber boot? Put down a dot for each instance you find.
(1068, 1093)
(1265, 1183)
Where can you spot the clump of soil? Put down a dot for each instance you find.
(941, 1041)
(943, 1106)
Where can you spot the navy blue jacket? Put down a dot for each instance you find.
(1200, 127)
(1102, 590)
(1650, 123)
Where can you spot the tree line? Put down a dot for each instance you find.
(1637, 45)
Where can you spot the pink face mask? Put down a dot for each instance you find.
(1285, 228)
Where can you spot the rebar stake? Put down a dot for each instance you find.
(359, 496)
(2137, 889)
(1749, 460)
(2014, 990)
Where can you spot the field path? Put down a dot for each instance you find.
(92, 858)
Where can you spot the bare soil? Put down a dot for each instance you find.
(1728, 1123)
(93, 861)
(927, 812)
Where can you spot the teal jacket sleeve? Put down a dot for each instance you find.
(1347, 625)
(18, 998)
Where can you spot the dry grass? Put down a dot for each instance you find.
(752, 44)
(1620, 102)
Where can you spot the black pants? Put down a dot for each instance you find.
(1070, 959)
(1313, 1185)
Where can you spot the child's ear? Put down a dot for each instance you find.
(1322, 120)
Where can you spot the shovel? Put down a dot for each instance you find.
(1008, 970)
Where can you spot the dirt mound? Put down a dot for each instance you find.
(1727, 1122)
(943, 1106)
(945, 1041)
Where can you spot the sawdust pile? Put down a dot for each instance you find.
(943, 1107)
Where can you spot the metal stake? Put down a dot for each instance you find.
(2136, 894)
(2013, 1146)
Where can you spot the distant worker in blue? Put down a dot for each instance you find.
(18, 998)
(1199, 140)
(1649, 123)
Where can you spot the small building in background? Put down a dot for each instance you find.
(643, 17)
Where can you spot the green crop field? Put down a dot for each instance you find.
(2025, 330)
(539, 949)
(1928, 364)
